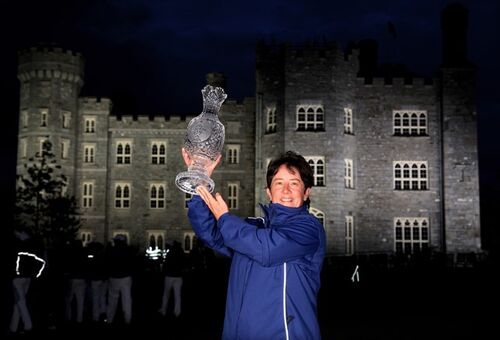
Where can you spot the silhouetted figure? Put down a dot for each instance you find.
(98, 277)
(76, 271)
(173, 270)
(27, 265)
(120, 266)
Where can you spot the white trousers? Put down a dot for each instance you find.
(170, 283)
(120, 287)
(76, 290)
(98, 289)
(20, 287)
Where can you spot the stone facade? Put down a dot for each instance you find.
(51, 80)
(349, 130)
(362, 216)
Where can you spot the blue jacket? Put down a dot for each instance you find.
(275, 270)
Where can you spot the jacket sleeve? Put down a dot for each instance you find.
(271, 246)
(205, 226)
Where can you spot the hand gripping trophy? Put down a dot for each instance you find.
(203, 142)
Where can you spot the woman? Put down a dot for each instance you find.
(276, 259)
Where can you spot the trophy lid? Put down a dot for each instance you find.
(213, 97)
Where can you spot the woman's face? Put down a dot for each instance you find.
(287, 188)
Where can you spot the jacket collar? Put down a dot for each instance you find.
(276, 212)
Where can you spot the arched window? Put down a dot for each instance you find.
(409, 123)
(410, 175)
(310, 118)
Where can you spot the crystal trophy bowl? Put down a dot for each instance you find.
(203, 142)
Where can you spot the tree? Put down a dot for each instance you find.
(42, 207)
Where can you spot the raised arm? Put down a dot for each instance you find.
(205, 226)
(271, 246)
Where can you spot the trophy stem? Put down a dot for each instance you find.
(196, 175)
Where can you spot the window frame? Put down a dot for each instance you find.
(233, 153)
(348, 123)
(410, 123)
(89, 124)
(349, 234)
(124, 202)
(158, 158)
(155, 189)
(233, 191)
(319, 179)
(123, 157)
(405, 239)
(44, 117)
(88, 198)
(410, 175)
(271, 121)
(307, 111)
(348, 173)
(89, 153)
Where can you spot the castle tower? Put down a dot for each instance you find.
(50, 81)
(459, 137)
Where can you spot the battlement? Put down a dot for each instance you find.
(149, 121)
(396, 82)
(50, 63)
(95, 104)
(49, 54)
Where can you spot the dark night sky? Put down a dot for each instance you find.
(156, 53)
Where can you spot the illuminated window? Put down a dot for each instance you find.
(233, 154)
(317, 164)
(123, 152)
(87, 194)
(44, 117)
(157, 195)
(348, 121)
(232, 195)
(349, 235)
(411, 234)
(189, 240)
(88, 153)
(89, 124)
(122, 195)
(410, 123)
(156, 239)
(319, 215)
(310, 118)
(158, 152)
(410, 175)
(348, 174)
(270, 120)
(86, 237)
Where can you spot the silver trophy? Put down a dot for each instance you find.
(203, 141)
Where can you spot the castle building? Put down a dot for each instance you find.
(394, 155)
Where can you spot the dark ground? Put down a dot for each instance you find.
(416, 300)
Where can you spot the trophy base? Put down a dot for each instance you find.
(188, 181)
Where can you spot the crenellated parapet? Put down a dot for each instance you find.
(44, 63)
(397, 82)
(144, 122)
(95, 104)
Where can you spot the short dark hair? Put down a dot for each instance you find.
(291, 160)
